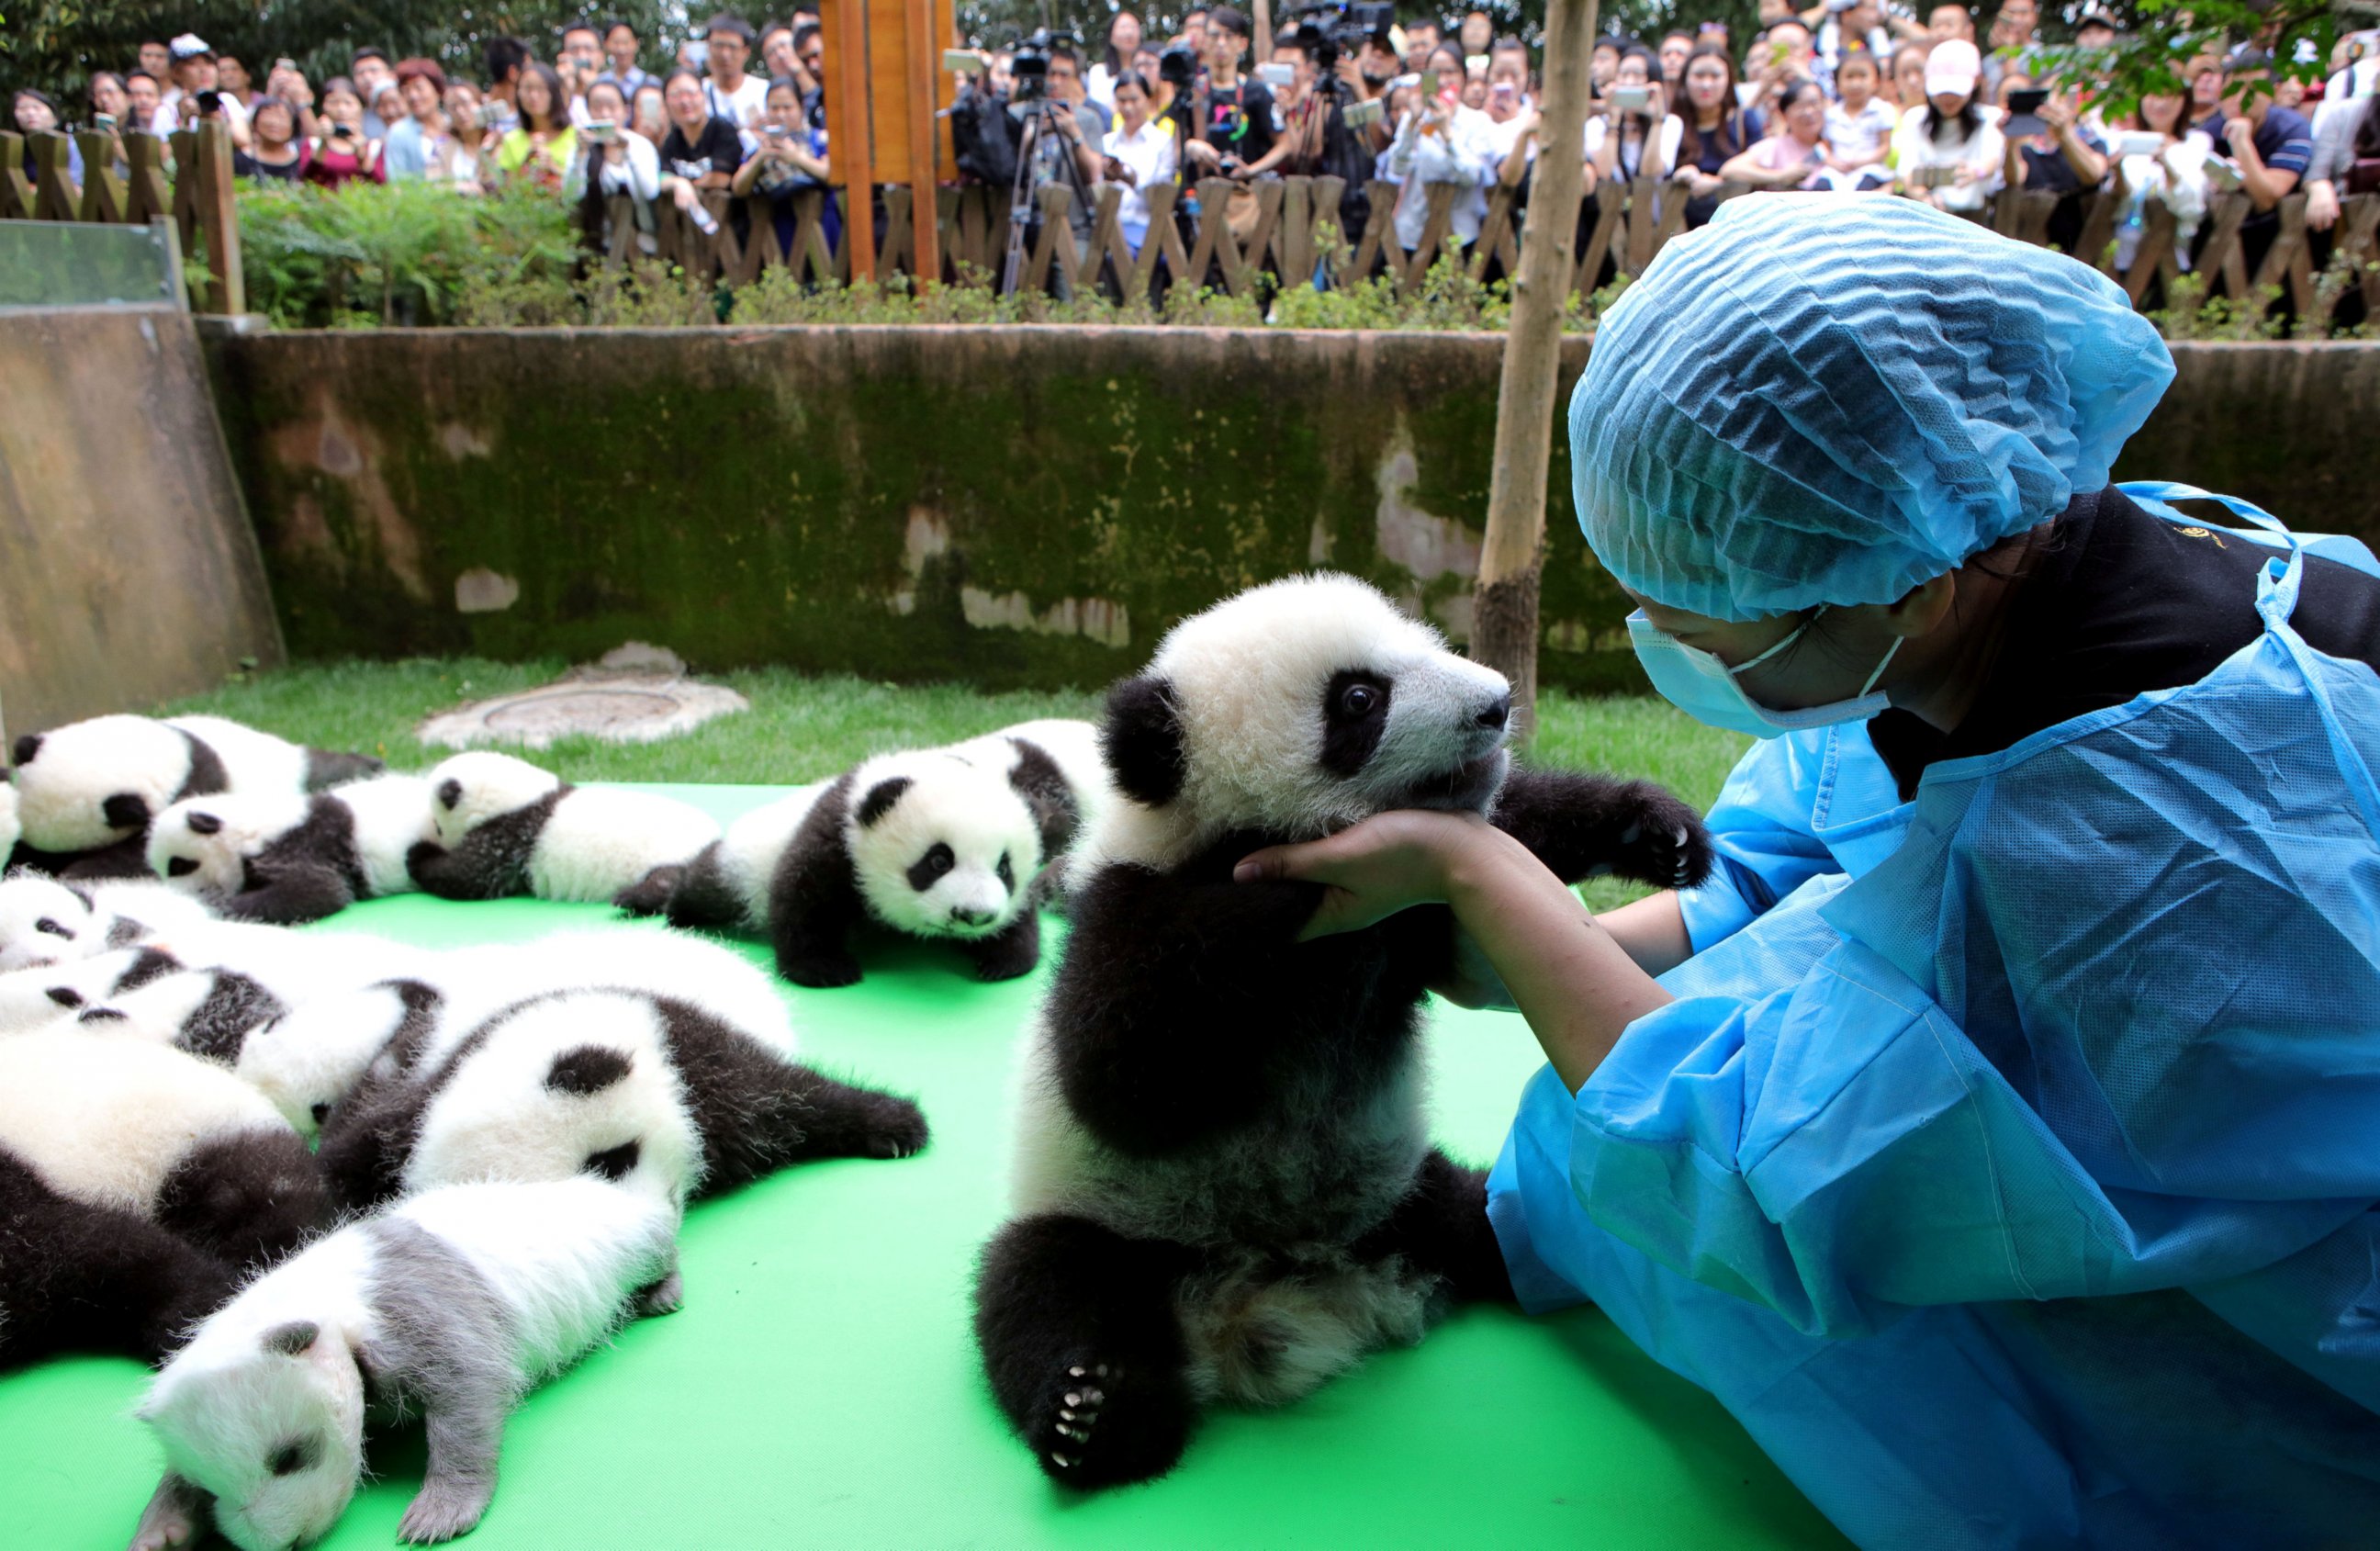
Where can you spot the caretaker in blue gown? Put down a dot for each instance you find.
(1997, 1134)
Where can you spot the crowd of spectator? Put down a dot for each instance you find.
(1852, 96)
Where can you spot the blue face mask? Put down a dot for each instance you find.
(1705, 688)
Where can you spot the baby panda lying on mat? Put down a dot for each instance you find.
(1224, 1188)
(958, 844)
(86, 792)
(451, 1305)
(505, 827)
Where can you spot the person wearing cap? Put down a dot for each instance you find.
(1948, 147)
(1996, 1133)
(196, 92)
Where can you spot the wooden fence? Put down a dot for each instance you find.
(187, 180)
(1294, 240)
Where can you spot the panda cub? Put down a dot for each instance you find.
(288, 860)
(87, 791)
(505, 826)
(9, 828)
(450, 1306)
(44, 922)
(133, 1178)
(949, 845)
(623, 1084)
(1224, 1188)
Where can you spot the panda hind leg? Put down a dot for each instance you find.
(79, 1278)
(1441, 1227)
(1084, 1350)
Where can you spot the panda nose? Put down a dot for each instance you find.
(970, 915)
(1499, 711)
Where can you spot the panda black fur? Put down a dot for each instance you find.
(1225, 1189)
(619, 1082)
(953, 844)
(86, 792)
(506, 828)
(449, 1306)
(287, 860)
(101, 1134)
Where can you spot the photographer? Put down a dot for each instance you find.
(342, 154)
(1236, 137)
(542, 146)
(1439, 140)
(792, 159)
(1343, 46)
(196, 92)
(617, 162)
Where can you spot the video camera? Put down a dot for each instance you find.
(1028, 64)
(1336, 27)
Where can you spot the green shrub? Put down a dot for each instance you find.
(407, 253)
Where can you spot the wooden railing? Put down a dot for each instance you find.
(187, 180)
(1294, 240)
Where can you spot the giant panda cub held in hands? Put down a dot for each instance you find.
(507, 828)
(1224, 1189)
(87, 791)
(948, 844)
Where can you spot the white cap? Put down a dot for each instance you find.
(189, 45)
(1953, 67)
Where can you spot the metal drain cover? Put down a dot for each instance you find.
(616, 708)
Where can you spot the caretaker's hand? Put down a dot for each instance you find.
(1390, 862)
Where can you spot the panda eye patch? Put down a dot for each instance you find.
(928, 869)
(46, 925)
(1007, 873)
(180, 867)
(298, 1454)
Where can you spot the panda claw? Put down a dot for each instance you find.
(1076, 1373)
(1061, 1461)
(1073, 1398)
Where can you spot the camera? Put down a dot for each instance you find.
(1337, 27)
(1178, 68)
(1028, 64)
(209, 104)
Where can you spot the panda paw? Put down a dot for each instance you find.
(900, 1129)
(1667, 847)
(1100, 1426)
(444, 1508)
(664, 1297)
(649, 895)
(820, 971)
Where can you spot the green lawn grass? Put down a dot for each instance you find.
(803, 728)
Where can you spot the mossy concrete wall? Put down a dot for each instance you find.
(1006, 506)
(128, 573)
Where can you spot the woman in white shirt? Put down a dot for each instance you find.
(1629, 143)
(1439, 140)
(1949, 147)
(1140, 155)
(1124, 43)
(2175, 175)
(623, 164)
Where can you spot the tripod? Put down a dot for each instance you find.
(1041, 119)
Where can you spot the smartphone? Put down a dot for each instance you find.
(103, 122)
(1276, 76)
(2138, 143)
(962, 62)
(1632, 99)
(1934, 177)
(772, 133)
(600, 133)
(2222, 173)
(2025, 115)
(1474, 64)
(1428, 81)
(1359, 116)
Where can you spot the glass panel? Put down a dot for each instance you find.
(68, 264)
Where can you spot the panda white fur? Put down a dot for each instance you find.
(1224, 1188)
(949, 845)
(86, 792)
(44, 922)
(505, 826)
(316, 1054)
(625, 1083)
(289, 860)
(451, 1305)
(113, 1152)
(9, 828)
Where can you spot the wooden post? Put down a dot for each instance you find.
(848, 145)
(1504, 609)
(219, 218)
(925, 66)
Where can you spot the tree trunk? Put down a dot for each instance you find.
(1504, 608)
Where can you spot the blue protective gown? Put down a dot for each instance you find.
(2010, 1163)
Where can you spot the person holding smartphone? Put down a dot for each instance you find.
(2160, 157)
(342, 154)
(1139, 155)
(789, 163)
(2064, 159)
(1635, 135)
(543, 146)
(1948, 147)
(617, 161)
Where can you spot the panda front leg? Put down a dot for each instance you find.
(292, 896)
(479, 868)
(1012, 952)
(1583, 826)
(1084, 1350)
(176, 1517)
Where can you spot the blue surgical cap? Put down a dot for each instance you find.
(1829, 398)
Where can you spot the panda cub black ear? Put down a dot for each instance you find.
(27, 747)
(881, 799)
(1141, 741)
(450, 792)
(291, 1338)
(126, 810)
(205, 824)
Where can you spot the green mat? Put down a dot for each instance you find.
(820, 1388)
